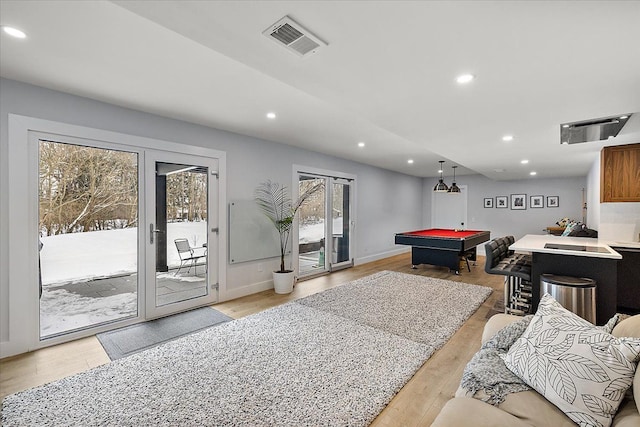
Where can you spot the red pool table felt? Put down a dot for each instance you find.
(443, 233)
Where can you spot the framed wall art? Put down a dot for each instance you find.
(553, 201)
(537, 202)
(502, 202)
(488, 202)
(518, 202)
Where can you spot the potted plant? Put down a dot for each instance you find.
(274, 200)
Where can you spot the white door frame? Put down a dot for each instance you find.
(22, 334)
(152, 310)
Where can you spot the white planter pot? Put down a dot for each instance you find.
(283, 282)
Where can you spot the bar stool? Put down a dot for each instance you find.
(517, 271)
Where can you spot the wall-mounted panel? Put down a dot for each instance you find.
(251, 235)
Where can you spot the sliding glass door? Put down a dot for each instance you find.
(341, 224)
(325, 225)
(312, 228)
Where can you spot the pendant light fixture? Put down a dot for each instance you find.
(441, 187)
(454, 187)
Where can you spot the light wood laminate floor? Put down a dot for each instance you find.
(417, 404)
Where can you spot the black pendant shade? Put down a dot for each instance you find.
(454, 187)
(441, 187)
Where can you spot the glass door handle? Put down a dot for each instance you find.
(152, 232)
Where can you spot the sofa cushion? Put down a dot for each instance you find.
(464, 411)
(578, 367)
(630, 327)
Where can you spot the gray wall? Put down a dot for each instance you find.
(502, 222)
(387, 202)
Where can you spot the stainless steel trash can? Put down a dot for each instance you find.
(576, 294)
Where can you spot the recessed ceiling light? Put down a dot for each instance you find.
(624, 117)
(524, 162)
(507, 138)
(465, 78)
(410, 161)
(533, 173)
(271, 115)
(361, 144)
(565, 126)
(14, 32)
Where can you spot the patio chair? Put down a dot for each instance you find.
(188, 255)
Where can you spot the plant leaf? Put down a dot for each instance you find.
(546, 337)
(570, 324)
(583, 368)
(561, 382)
(597, 405)
(613, 359)
(616, 390)
(584, 420)
(555, 351)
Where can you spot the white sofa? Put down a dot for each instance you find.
(529, 408)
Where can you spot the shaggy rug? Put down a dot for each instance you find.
(132, 339)
(422, 309)
(292, 365)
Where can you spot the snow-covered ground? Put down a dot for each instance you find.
(62, 311)
(84, 257)
(315, 232)
(81, 257)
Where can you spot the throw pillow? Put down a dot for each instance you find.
(608, 327)
(578, 367)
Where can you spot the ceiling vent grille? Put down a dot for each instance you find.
(288, 33)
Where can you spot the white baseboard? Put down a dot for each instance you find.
(246, 290)
(381, 255)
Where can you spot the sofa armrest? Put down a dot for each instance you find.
(495, 323)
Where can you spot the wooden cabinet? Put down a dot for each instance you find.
(620, 174)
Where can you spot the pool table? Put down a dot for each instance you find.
(443, 247)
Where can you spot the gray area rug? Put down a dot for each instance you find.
(133, 339)
(422, 309)
(293, 365)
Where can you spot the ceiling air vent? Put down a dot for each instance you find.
(592, 130)
(288, 33)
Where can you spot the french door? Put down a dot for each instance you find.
(124, 234)
(325, 225)
(88, 234)
(182, 232)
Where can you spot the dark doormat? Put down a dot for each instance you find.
(132, 339)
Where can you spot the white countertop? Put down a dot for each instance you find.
(536, 243)
(621, 244)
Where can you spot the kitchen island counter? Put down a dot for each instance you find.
(565, 256)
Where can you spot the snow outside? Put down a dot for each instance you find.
(81, 258)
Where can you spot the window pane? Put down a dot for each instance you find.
(88, 224)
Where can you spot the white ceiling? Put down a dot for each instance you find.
(387, 76)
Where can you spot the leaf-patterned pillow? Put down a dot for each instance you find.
(578, 367)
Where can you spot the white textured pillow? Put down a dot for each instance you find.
(578, 367)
